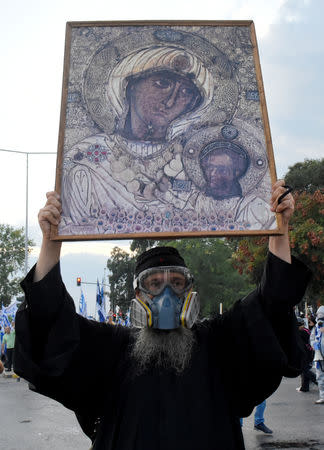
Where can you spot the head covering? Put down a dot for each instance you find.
(151, 59)
(320, 312)
(157, 257)
(158, 58)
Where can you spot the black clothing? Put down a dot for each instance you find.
(307, 375)
(305, 336)
(239, 360)
(305, 378)
(9, 358)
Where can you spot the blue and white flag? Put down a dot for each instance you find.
(127, 319)
(103, 297)
(4, 319)
(100, 303)
(11, 310)
(83, 305)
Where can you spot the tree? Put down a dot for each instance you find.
(139, 246)
(208, 259)
(12, 257)
(307, 244)
(249, 256)
(215, 278)
(306, 176)
(121, 266)
(307, 239)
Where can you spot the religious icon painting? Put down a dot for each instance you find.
(164, 132)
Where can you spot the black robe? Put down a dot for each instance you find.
(238, 361)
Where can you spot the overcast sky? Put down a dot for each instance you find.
(291, 46)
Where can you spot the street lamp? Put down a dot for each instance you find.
(26, 221)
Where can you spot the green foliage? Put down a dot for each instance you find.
(306, 239)
(306, 176)
(12, 258)
(215, 278)
(306, 229)
(121, 266)
(208, 259)
(139, 246)
(249, 257)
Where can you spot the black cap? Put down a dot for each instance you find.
(158, 256)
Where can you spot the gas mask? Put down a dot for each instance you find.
(164, 298)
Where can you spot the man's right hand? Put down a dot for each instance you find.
(50, 214)
(50, 249)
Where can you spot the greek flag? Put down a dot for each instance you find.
(11, 309)
(4, 319)
(100, 303)
(127, 320)
(83, 306)
(120, 319)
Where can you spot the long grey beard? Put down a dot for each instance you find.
(163, 349)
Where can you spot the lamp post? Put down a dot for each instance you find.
(26, 218)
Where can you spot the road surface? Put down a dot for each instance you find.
(30, 421)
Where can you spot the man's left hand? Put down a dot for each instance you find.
(287, 206)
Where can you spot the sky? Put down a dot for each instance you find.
(32, 34)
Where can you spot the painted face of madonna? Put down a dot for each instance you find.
(156, 100)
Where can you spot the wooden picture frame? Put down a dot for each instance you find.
(164, 132)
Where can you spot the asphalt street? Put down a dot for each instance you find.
(30, 421)
(296, 422)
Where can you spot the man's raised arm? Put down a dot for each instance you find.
(50, 250)
(279, 245)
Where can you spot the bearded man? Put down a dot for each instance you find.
(174, 383)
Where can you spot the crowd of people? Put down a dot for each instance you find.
(311, 329)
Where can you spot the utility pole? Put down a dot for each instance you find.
(26, 214)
